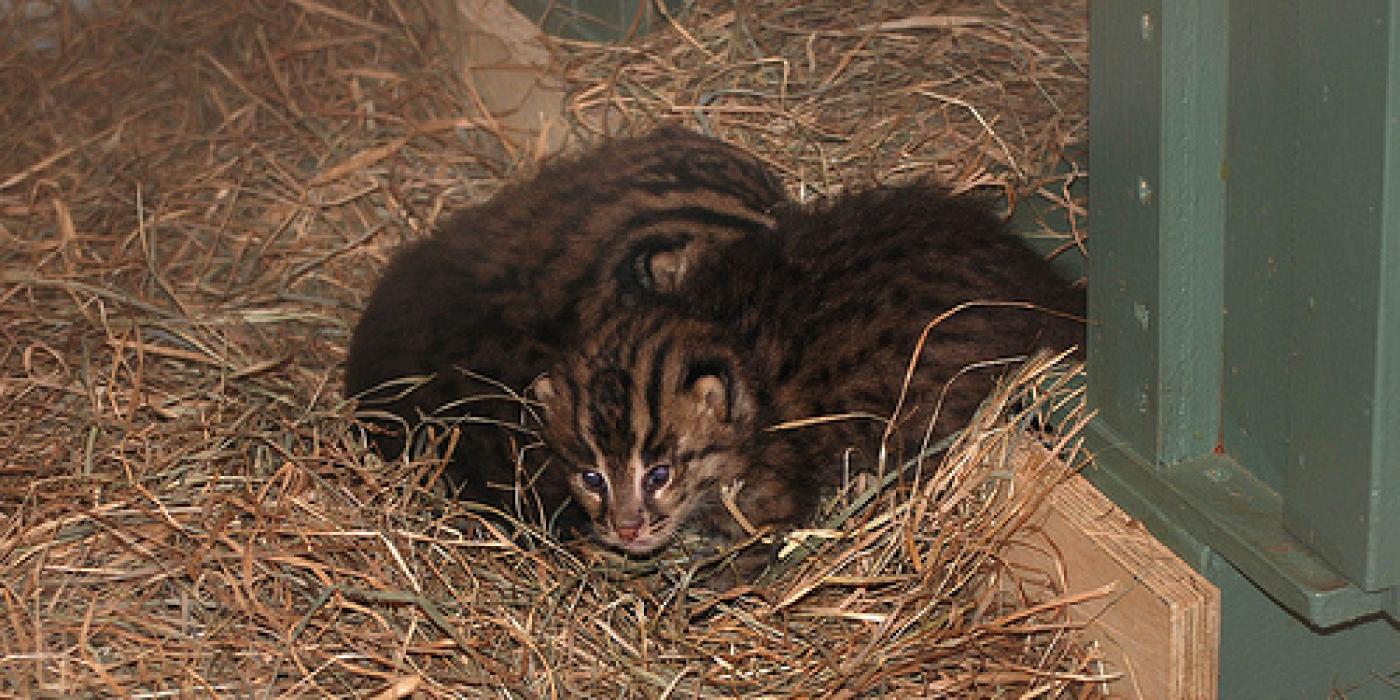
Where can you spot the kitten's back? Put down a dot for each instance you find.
(817, 322)
(503, 286)
(836, 304)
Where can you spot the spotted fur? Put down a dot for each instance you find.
(650, 423)
(818, 320)
(486, 304)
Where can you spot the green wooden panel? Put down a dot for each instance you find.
(1198, 362)
(1123, 96)
(1262, 167)
(1194, 57)
(1157, 113)
(1267, 653)
(1385, 511)
(1214, 504)
(1342, 488)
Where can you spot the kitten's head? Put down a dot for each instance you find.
(648, 420)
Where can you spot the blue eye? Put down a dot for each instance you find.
(658, 476)
(594, 481)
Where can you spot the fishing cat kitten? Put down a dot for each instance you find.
(660, 405)
(487, 303)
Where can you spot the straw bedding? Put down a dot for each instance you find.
(194, 201)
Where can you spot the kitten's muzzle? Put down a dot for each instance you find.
(636, 536)
(628, 526)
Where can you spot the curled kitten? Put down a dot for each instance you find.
(658, 407)
(463, 319)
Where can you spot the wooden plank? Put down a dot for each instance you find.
(1262, 152)
(1340, 493)
(1301, 388)
(507, 60)
(1157, 213)
(1160, 628)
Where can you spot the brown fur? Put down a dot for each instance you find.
(501, 289)
(819, 320)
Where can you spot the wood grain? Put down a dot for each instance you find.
(1160, 628)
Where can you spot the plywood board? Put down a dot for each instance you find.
(1160, 627)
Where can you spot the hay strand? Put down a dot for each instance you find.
(195, 199)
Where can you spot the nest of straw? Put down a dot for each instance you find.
(195, 199)
(836, 94)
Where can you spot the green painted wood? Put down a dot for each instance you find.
(1262, 167)
(1157, 205)
(1385, 511)
(1272, 645)
(1342, 484)
(1214, 504)
(1195, 57)
(1125, 130)
(1229, 418)
(1267, 653)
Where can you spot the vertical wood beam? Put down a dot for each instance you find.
(1341, 489)
(1157, 106)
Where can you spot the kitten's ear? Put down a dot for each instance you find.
(712, 395)
(666, 269)
(543, 389)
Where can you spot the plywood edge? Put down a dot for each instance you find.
(1160, 626)
(1118, 545)
(506, 59)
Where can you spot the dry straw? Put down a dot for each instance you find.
(194, 201)
(978, 93)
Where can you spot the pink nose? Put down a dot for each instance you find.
(627, 534)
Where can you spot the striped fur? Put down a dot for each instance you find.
(818, 320)
(649, 392)
(504, 286)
